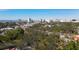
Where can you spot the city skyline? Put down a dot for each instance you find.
(14, 14)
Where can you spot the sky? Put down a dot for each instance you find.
(15, 14)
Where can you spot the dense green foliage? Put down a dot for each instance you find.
(41, 36)
(9, 24)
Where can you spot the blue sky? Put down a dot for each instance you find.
(14, 14)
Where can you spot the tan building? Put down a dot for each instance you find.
(76, 37)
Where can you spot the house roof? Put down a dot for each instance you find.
(76, 37)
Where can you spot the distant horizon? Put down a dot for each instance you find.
(36, 14)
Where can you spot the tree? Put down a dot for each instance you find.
(30, 20)
(72, 45)
(3, 38)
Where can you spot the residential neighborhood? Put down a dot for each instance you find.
(39, 29)
(38, 35)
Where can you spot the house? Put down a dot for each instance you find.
(65, 37)
(8, 28)
(2, 30)
(47, 25)
(76, 37)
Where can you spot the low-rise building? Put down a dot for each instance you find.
(76, 37)
(8, 28)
